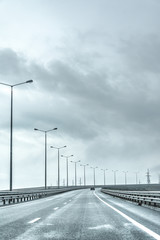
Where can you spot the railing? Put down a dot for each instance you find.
(151, 198)
(17, 197)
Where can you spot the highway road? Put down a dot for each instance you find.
(80, 214)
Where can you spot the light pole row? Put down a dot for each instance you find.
(75, 162)
(84, 166)
(94, 175)
(45, 152)
(66, 157)
(104, 172)
(11, 128)
(125, 176)
(58, 148)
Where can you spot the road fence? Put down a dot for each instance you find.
(151, 198)
(7, 198)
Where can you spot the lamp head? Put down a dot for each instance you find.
(29, 81)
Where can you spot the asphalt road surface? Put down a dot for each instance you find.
(80, 214)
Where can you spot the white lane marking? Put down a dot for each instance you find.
(145, 229)
(70, 200)
(55, 208)
(65, 203)
(34, 220)
(107, 226)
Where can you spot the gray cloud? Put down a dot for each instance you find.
(142, 53)
(85, 98)
(12, 64)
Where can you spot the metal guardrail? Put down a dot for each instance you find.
(151, 198)
(28, 194)
(17, 197)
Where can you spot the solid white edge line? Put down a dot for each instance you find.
(34, 220)
(145, 229)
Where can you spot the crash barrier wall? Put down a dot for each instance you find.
(134, 187)
(17, 197)
(151, 198)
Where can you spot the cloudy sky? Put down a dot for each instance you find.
(96, 71)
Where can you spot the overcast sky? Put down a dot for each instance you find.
(96, 71)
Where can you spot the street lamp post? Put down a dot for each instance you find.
(11, 126)
(136, 177)
(84, 165)
(94, 175)
(58, 163)
(45, 132)
(75, 162)
(67, 165)
(114, 172)
(104, 172)
(125, 176)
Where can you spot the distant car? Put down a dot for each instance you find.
(92, 188)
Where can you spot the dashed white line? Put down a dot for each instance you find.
(107, 226)
(65, 203)
(55, 208)
(137, 224)
(34, 220)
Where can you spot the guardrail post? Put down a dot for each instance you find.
(4, 201)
